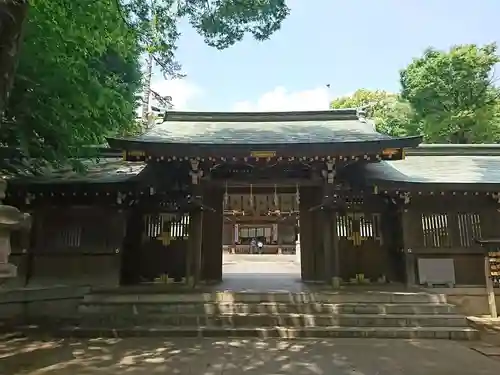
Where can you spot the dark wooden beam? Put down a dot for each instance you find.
(283, 186)
(149, 150)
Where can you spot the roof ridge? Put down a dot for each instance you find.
(324, 115)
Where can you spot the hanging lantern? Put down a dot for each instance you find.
(226, 199)
(276, 198)
(250, 200)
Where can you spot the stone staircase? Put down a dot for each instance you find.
(279, 314)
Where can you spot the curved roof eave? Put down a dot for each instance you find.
(454, 172)
(163, 146)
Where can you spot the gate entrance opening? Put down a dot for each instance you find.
(260, 237)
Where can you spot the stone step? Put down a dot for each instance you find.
(276, 297)
(454, 333)
(271, 320)
(263, 307)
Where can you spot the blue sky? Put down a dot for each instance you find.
(348, 44)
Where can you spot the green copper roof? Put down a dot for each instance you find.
(263, 128)
(450, 169)
(109, 170)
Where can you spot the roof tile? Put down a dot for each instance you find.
(457, 169)
(263, 127)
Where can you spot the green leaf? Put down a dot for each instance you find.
(392, 116)
(453, 94)
(77, 79)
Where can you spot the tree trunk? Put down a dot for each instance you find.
(147, 93)
(13, 13)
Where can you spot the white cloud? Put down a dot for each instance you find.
(182, 92)
(280, 99)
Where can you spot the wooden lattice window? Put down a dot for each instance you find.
(368, 226)
(180, 227)
(153, 226)
(469, 228)
(177, 227)
(344, 226)
(65, 230)
(435, 230)
(69, 236)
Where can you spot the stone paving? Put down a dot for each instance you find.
(240, 356)
(261, 273)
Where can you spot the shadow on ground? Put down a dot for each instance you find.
(36, 356)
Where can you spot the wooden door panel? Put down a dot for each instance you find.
(164, 246)
(361, 246)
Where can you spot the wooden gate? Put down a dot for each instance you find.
(164, 246)
(362, 251)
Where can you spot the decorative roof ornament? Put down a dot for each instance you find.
(120, 197)
(195, 173)
(361, 112)
(496, 197)
(330, 172)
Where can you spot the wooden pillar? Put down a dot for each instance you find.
(193, 274)
(336, 279)
(311, 237)
(490, 225)
(306, 234)
(131, 248)
(318, 247)
(212, 245)
(412, 224)
(328, 245)
(490, 289)
(391, 228)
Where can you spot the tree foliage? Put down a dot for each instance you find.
(447, 96)
(391, 115)
(363, 98)
(78, 71)
(221, 23)
(453, 95)
(12, 18)
(395, 117)
(76, 82)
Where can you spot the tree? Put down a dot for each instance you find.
(363, 98)
(77, 79)
(222, 23)
(453, 94)
(395, 117)
(391, 115)
(12, 17)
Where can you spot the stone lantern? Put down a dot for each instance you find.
(11, 219)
